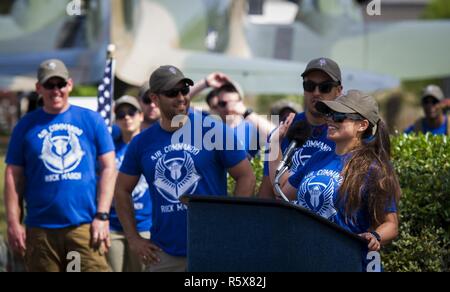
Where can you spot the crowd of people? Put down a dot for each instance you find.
(114, 198)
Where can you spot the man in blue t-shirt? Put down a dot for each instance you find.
(186, 153)
(435, 120)
(129, 119)
(51, 165)
(226, 100)
(322, 81)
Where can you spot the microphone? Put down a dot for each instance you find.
(298, 134)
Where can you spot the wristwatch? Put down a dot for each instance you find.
(102, 216)
(247, 113)
(377, 236)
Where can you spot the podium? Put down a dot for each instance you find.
(252, 235)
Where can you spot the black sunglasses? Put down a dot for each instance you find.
(223, 104)
(120, 115)
(51, 86)
(341, 117)
(147, 100)
(428, 100)
(176, 91)
(324, 87)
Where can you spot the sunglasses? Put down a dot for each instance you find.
(430, 100)
(341, 117)
(224, 104)
(120, 115)
(324, 87)
(147, 100)
(176, 91)
(52, 86)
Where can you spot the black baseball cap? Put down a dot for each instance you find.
(354, 102)
(165, 78)
(326, 65)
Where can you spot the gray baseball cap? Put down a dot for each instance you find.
(433, 91)
(166, 78)
(353, 102)
(328, 66)
(50, 69)
(127, 99)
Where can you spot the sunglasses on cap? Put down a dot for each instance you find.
(176, 91)
(121, 114)
(52, 86)
(324, 87)
(341, 117)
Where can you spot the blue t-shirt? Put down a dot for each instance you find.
(318, 184)
(317, 143)
(141, 197)
(441, 130)
(58, 154)
(248, 136)
(190, 161)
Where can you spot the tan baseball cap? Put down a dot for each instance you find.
(50, 69)
(354, 102)
(130, 100)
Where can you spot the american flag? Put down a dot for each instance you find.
(106, 94)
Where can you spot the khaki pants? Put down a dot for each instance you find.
(120, 257)
(168, 264)
(60, 250)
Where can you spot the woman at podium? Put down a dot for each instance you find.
(356, 186)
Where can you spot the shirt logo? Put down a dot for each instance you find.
(176, 177)
(318, 197)
(299, 160)
(139, 193)
(61, 153)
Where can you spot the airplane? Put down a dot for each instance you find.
(33, 31)
(203, 36)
